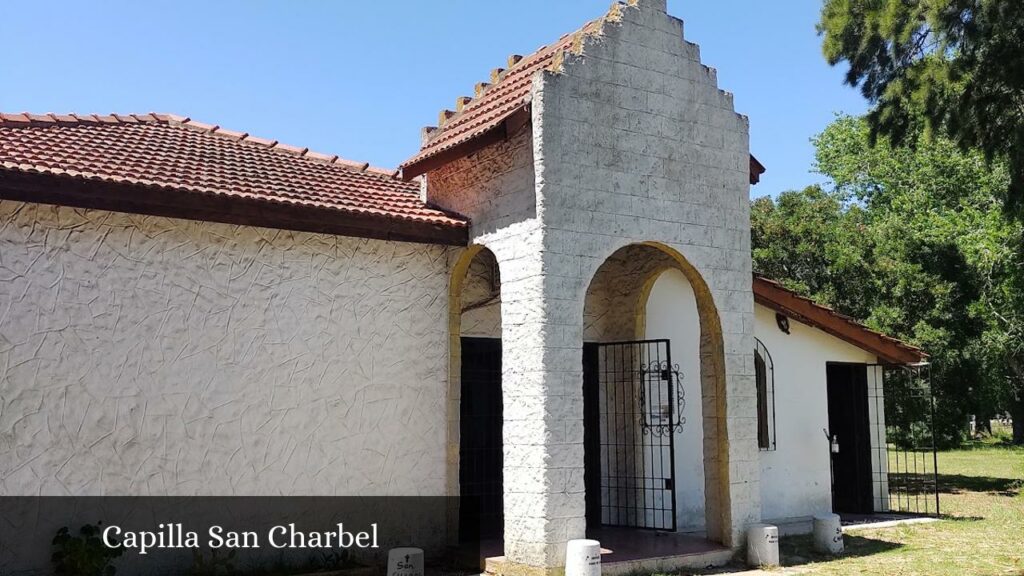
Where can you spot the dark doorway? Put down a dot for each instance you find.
(591, 435)
(480, 444)
(849, 428)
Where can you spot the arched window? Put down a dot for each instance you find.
(764, 371)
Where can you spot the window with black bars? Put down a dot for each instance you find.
(764, 375)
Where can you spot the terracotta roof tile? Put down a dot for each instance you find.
(179, 154)
(507, 93)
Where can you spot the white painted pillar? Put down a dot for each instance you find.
(542, 383)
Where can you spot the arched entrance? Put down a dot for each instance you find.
(475, 427)
(634, 397)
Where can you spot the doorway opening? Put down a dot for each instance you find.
(881, 435)
(850, 438)
(629, 431)
(475, 412)
(480, 451)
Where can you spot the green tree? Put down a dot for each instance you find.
(914, 242)
(944, 67)
(814, 242)
(936, 216)
(997, 255)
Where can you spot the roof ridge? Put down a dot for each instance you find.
(27, 119)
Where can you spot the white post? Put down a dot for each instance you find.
(763, 545)
(405, 562)
(828, 533)
(583, 558)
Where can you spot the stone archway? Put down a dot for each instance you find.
(475, 393)
(615, 310)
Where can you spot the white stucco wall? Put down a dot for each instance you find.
(145, 355)
(672, 314)
(795, 478)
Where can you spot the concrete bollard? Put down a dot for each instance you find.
(763, 545)
(405, 562)
(828, 533)
(583, 558)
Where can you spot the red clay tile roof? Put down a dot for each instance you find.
(483, 117)
(179, 155)
(772, 294)
(507, 93)
(498, 100)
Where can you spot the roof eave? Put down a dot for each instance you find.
(418, 166)
(155, 201)
(887, 349)
(756, 169)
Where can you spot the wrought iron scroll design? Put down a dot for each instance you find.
(661, 423)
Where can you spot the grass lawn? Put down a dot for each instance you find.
(982, 531)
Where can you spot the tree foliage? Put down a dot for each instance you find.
(946, 67)
(811, 241)
(914, 242)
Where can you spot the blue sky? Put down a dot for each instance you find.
(359, 79)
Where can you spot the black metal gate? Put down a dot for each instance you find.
(633, 400)
(902, 415)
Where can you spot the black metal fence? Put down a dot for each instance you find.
(902, 417)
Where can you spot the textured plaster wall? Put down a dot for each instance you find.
(671, 313)
(495, 189)
(617, 295)
(145, 355)
(481, 298)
